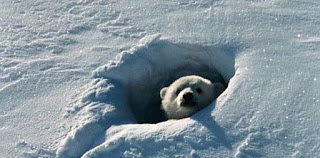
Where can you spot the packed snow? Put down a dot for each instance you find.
(81, 78)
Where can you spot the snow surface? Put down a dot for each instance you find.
(68, 70)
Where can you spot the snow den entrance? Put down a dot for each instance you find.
(155, 63)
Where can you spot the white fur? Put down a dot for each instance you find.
(174, 105)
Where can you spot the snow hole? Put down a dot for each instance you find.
(141, 72)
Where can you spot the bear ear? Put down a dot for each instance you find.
(218, 88)
(163, 92)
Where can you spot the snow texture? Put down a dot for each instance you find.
(81, 78)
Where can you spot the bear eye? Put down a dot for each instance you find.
(199, 90)
(178, 91)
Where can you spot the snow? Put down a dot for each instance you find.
(70, 72)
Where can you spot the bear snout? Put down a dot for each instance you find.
(188, 100)
(188, 97)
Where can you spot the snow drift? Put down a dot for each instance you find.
(49, 49)
(127, 90)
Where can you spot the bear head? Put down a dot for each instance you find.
(188, 95)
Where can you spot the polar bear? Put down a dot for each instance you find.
(187, 95)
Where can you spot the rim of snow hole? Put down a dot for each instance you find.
(138, 75)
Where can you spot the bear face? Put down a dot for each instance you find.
(187, 95)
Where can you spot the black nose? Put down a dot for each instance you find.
(188, 96)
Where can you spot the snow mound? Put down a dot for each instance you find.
(154, 64)
(126, 91)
